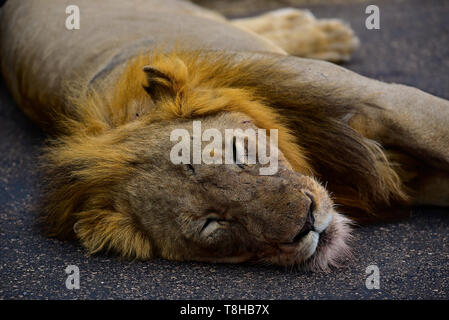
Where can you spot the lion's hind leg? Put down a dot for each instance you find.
(299, 33)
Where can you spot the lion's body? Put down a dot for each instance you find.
(48, 55)
(85, 86)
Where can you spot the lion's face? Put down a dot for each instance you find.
(230, 212)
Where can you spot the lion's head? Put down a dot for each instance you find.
(114, 186)
(230, 212)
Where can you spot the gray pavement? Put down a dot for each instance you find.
(412, 47)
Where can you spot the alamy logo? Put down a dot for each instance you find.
(73, 279)
(373, 279)
(72, 22)
(235, 151)
(373, 20)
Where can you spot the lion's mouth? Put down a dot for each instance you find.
(332, 248)
(319, 249)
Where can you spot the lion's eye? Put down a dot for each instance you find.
(234, 154)
(190, 168)
(210, 225)
(234, 150)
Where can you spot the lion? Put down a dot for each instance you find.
(350, 149)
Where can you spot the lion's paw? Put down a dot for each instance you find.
(299, 33)
(336, 41)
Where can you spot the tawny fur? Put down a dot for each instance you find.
(300, 34)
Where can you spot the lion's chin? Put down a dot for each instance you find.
(332, 249)
(317, 251)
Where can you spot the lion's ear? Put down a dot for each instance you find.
(100, 230)
(166, 78)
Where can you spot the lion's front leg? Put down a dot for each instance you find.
(395, 115)
(413, 128)
(405, 119)
(411, 125)
(299, 33)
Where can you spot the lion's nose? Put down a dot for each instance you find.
(310, 220)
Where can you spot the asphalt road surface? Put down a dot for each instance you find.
(412, 47)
